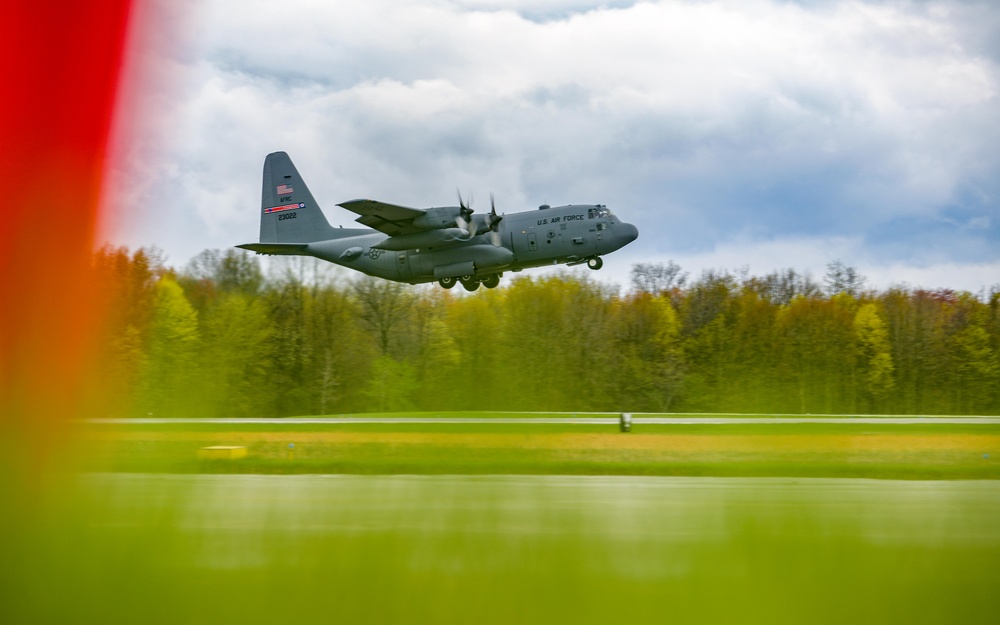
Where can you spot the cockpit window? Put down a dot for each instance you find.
(598, 212)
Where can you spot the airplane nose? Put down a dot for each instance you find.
(625, 234)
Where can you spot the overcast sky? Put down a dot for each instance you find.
(762, 133)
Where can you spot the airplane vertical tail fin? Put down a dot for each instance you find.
(289, 212)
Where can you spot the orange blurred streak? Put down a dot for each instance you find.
(62, 66)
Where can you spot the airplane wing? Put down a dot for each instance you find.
(388, 218)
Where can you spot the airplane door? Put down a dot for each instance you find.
(532, 243)
(403, 265)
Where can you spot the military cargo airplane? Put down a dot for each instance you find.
(446, 244)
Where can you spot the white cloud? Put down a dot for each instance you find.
(811, 256)
(718, 127)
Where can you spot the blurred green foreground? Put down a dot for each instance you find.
(120, 548)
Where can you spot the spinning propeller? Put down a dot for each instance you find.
(464, 215)
(494, 219)
(468, 222)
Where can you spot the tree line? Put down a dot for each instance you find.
(223, 338)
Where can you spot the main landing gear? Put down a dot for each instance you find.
(471, 283)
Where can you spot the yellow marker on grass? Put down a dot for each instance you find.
(222, 451)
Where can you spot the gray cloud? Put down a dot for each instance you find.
(715, 126)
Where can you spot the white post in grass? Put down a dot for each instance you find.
(625, 422)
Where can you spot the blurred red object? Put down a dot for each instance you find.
(61, 74)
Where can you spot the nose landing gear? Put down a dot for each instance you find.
(595, 263)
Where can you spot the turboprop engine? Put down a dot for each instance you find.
(442, 220)
(444, 217)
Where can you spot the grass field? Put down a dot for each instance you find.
(159, 548)
(511, 523)
(924, 451)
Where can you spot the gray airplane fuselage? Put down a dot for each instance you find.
(548, 236)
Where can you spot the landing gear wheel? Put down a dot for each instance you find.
(491, 281)
(447, 282)
(595, 263)
(471, 285)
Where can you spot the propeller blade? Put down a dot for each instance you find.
(464, 209)
(495, 238)
(494, 218)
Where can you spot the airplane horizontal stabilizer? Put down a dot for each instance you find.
(286, 249)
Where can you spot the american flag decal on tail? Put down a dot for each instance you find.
(284, 189)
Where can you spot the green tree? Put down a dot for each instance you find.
(235, 357)
(815, 339)
(648, 369)
(439, 361)
(384, 307)
(658, 278)
(225, 339)
(973, 355)
(751, 384)
(875, 364)
(338, 352)
(127, 281)
(320, 353)
(285, 301)
(217, 272)
(170, 374)
(485, 368)
(390, 387)
(841, 278)
(707, 315)
(781, 287)
(554, 347)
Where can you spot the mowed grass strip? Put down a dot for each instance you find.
(887, 453)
